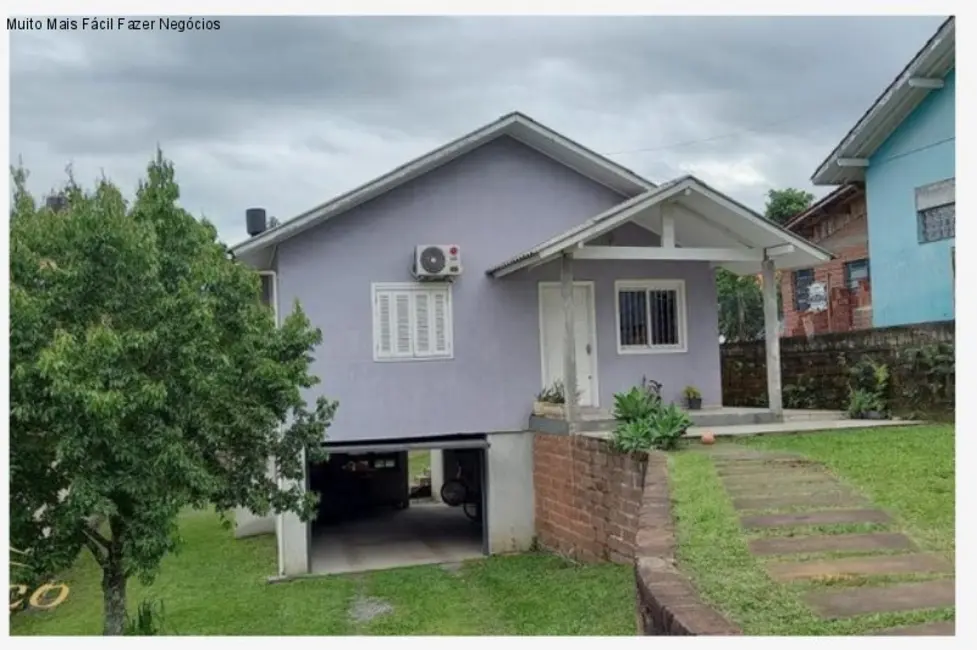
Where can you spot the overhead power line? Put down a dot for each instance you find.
(687, 143)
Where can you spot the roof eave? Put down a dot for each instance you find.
(936, 58)
(548, 250)
(516, 125)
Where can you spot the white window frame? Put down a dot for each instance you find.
(681, 313)
(429, 288)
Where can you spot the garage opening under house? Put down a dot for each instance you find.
(451, 290)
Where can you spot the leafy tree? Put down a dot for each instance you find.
(786, 203)
(741, 298)
(740, 306)
(146, 377)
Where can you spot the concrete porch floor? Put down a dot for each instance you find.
(795, 421)
(424, 533)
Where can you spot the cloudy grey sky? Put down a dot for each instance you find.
(286, 112)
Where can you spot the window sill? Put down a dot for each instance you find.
(405, 359)
(659, 350)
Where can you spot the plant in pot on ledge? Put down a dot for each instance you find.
(549, 401)
(693, 398)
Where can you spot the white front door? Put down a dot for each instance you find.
(553, 329)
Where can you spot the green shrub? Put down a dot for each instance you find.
(868, 387)
(861, 401)
(636, 404)
(633, 436)
(148, 620)
(668, 424)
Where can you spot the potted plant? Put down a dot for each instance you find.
(549, 402)
(693, 398)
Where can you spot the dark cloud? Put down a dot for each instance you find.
(285, 112)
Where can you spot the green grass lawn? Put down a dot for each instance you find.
(908, 471)
(418, 462)
(216, 585)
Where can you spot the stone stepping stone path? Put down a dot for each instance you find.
(831, 544)
(816, 518)
(776, 492)
(840, 603)
(873, 565)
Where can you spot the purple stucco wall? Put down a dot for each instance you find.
(493, 203)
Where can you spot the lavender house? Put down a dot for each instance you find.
(549, 263)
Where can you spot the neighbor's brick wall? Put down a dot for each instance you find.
(843, 232)
(587, 497)
(818, 362)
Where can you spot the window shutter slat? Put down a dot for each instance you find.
(422, 324)
(402, 328)
(384, 320)
(440, 318)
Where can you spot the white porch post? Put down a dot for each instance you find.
(569, 342)
(771, 327)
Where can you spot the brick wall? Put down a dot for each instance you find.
(841, 229)
(667, 603)
(822, 362)
(587, 497)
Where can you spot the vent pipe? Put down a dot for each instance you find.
(257, 221)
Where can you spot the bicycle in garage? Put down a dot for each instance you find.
(459, 492)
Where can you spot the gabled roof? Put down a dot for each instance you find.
(894, 105)
(732, 221)
(515, 125)
(821, 207)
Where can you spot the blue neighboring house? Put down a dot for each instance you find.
(903, 151)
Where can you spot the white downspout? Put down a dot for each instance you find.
(279, 517)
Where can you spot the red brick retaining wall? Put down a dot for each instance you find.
(587, 498)
(594, 504)
(667, 603)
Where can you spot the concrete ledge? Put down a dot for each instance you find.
(667, 604)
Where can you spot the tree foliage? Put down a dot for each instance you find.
(741, 297)
(784, 204)
(146, 377)
(740, 306)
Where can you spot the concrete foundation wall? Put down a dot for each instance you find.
(248, 524)
(511, 510)
(294, 542)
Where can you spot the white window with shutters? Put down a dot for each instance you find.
(411, 321)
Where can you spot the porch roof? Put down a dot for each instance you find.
(704, 220)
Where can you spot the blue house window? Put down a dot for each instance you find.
(856, 271)
(937, 223)
(936, 211)
(803, 279)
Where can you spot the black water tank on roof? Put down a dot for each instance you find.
(257, 221)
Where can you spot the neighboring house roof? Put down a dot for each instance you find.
(846, 164)
(821, 207)
(731, 222)
(515, 125)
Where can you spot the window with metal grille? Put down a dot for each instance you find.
(651, 316)
(856, 271)
(411, 321)
(803, 279)
(936, 211)
(937, 223)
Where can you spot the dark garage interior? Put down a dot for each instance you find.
(368, 520)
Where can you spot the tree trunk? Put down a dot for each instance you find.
(114, 596)
(114, 583)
